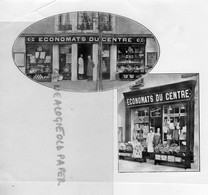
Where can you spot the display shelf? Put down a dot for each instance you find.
(40, 77)
(131, 76)
(177, 160)
(39, 62)
(131, 61)
(127, 155)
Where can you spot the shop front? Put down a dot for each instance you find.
(124, 57)
(161, 120)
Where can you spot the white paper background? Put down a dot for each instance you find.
(27, 138)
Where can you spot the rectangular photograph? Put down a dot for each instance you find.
(158, 124)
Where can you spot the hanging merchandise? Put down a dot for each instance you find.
(32, 59)
(156, 139)
(171, 126)
(47, 59)
(182, 122)
(175, 134)
(165, 129)
(169, 139)
(140, 135)
(183, 134)
(42, 55)
(177, 125)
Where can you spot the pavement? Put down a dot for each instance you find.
(126, 166)
(87, 86)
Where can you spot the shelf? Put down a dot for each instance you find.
(141, 122)
(176, 160)
(43, 80)
(130, 76)
(45, 73)
(129, 63)
(128, 156)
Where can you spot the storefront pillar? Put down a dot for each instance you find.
(151, 46)
(95, 59)
(73, 17)
(113, 58)
(56, 58)
(74, 62)
(196, 127)
(128, 125)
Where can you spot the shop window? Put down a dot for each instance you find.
(131, 59)
(65, 59)
(39, 62)
(174, 124)
(85, 21)
(141, 123)
(64, 22)
(106, 62)
(104, 23)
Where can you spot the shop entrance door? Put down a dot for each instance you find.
(85, 50)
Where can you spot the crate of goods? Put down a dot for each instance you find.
(157, 156)
(177, 159)
(164, 157)
(128, 154)
(171, 158)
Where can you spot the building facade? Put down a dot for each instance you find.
(55, 44)
(169, 105)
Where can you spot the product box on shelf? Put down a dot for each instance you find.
(171, 158)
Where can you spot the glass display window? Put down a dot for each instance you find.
(39, 61)
(141, 122)
(65, 58)
(174, 124)
(131, 59)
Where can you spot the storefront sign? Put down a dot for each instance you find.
(115, 39)
(183, 94)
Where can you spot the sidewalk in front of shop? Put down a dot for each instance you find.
(86, 86)
(126, 166)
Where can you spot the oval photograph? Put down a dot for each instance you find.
(86, 51)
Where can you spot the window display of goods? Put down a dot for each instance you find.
(166, 149)
(125, 146)
(129, 147)
(122, 146)
(41, 77)
(130, 68)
